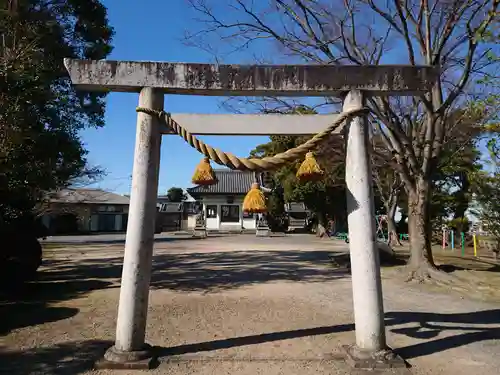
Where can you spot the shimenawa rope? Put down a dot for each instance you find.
(251, 164)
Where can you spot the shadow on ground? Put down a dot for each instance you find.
(251, 340)
(69, 358)
(62, 280)
(31, 304)
(420, 325)
(209, 272)
(426, 326)
(479, 264)
(59, 242)
(77, 357)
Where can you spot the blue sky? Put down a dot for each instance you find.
(153, 30)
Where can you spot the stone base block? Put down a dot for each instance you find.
(262, 233)
(200, 233)
(115, 359)
(382, 359)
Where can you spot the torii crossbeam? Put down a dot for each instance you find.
(154, 79)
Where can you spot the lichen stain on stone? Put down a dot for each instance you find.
(169, 73)
(112, 66)
(82, 70)
(164, 72)
(244, 77)
(199, 76)
(225, 75)
(321, 77)
(262, 78)
(401, 78)
(144, 135)
(277, 78)
(391, 79)
(290, 77)
(237, 77)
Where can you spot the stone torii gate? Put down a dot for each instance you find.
(154, 79)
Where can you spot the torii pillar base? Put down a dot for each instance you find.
(369, 360)
(115, 359)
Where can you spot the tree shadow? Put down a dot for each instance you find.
(29, 305)
(386, 260)
(62, 280)
(210, 272)
(430, 325)
(117, 241)
(62, 359)
(26, 315)
(450, 268)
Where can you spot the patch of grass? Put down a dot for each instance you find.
(479, 277)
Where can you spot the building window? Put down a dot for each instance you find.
(230, 214)
(106, 223)
(211, 211)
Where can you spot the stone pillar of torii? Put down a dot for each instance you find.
(152, 80)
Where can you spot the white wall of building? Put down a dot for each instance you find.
(213, 208)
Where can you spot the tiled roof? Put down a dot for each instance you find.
(95, 196)
(229, 182)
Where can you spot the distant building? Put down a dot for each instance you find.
(222, 203)
(173, 216)
(71, 211)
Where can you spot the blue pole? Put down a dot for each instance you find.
(452, 233)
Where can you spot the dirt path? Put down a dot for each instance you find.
(246, 305)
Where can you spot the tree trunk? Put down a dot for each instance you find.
(320, 230)
(421, 264)
(322, 225)
(392, 233)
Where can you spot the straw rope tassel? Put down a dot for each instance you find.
(309, 170)
(204, 174)
(255, 201)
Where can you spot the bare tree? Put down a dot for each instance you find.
(389, 188)
(452, 34)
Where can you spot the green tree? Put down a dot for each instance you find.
(176, 194)
(42, 115)
(388, 187)
(487, 195)
(326, 198)
(276, 208)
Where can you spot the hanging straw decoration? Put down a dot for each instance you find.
(310, 170)
(255, 201)
(204, 174)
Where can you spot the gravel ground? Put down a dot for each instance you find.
(236, 304)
